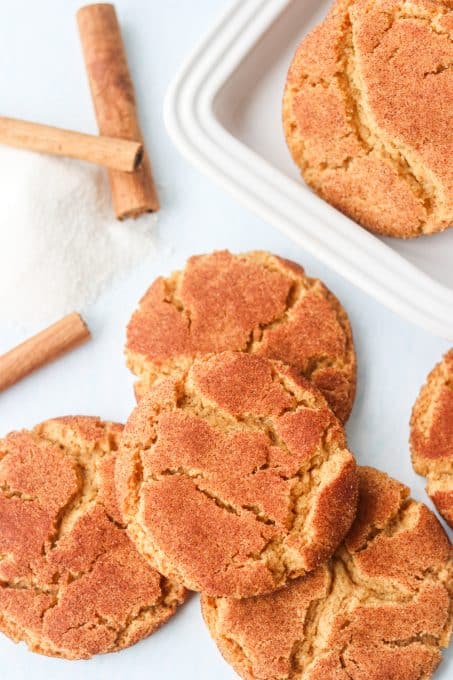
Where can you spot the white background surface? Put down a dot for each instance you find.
(42, 78)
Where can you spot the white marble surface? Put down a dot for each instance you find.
(42, 78)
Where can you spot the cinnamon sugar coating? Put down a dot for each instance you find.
(71, 582)
(368, 113)
(379, 609)
(432, 435)
(234, 476)
(255, 303)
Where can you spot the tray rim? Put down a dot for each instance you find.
(359, 256)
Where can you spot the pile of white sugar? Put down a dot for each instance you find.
(60, 243)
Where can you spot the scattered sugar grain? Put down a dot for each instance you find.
(60, 244)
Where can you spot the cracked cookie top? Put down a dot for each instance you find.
(71, 582)
(367, 113)
(380, 609)
(234, 476)
(255, 303)
(432, 435)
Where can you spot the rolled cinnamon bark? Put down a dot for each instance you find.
(118, 154)
(42, 348)
(114, 101)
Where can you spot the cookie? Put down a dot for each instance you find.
(71, 582)
(256, 303)
(380, 609)
(431, 437)
(368, 113)
(234, 476)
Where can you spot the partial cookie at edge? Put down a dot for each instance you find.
(367, 116)
(71, 582)
(431, 437)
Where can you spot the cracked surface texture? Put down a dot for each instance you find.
(368, 113)
(380, 609)
(256, 303)
(71, 582)
(234, 477)
(432, 435)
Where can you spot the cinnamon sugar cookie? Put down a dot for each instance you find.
(380, 609)
(256, 303)
(234, 476)
(432, 435)
(71, 582)
(368, 113)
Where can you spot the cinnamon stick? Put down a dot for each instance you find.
(118, 154)
(113, 96)
(42, 348)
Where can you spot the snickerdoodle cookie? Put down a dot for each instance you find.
(256, 303)
(432, 435)
(234, 476)
(380, 609)
(71, 582)
(368, 113)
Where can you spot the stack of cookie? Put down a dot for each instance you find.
(232, 477)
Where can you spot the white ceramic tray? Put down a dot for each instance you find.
(223, 112)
